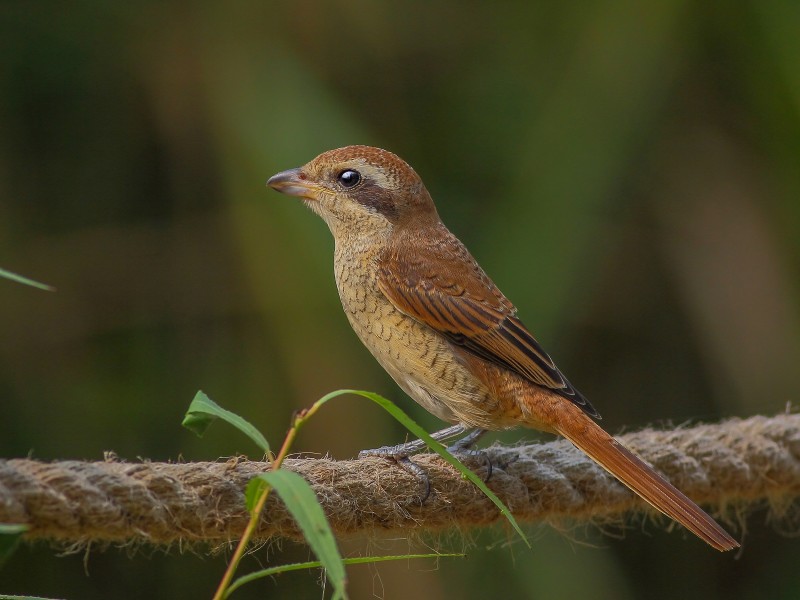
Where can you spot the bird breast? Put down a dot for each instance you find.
(420, 360)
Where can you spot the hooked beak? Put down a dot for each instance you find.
(292, 182)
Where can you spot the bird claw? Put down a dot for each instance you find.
(463, 448)
(478, 454)
(394, 452)
(400, 453)
(409, 465)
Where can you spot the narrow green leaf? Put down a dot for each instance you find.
(253, 491)
(5, 597)
(301, 501)
(203, 411)
(9, 538)
(26, 281)
(437, 447)
(315, 564)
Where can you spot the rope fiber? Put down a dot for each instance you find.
(736, 465)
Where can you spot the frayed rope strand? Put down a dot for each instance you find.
(729, 466)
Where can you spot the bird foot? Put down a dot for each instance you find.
(463, 447)
(400, 453)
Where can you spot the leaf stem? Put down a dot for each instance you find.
(255, 516)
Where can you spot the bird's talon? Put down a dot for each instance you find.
(458, 449)
(510, 461)
(409, 465)
(396, 454)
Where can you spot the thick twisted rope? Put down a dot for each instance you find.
(735, 464)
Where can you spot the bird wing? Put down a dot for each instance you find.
(441, 285)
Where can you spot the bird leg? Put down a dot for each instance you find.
(463, 447)
(400, 453)
(414, 446)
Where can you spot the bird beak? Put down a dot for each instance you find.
(292, 182)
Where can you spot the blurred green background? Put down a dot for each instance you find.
(627, 172)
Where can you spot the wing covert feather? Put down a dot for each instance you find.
(442, 286)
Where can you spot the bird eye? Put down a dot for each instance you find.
(349, 178)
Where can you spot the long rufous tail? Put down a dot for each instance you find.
(623, 464)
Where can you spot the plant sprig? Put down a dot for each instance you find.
(299, 497)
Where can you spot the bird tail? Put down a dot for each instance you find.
(623, 464)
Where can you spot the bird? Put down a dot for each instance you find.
(442, 329)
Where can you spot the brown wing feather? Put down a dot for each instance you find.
(437, 282)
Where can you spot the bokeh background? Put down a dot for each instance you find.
(627, 172)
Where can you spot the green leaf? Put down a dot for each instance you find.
(203, 411)
(4, 597)
(26, 281)
(437, 447)
(9, 538)
(316, 564)
(255, 488)
(302, 503)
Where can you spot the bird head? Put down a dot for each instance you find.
(358, 190)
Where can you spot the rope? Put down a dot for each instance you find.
(732, 465)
